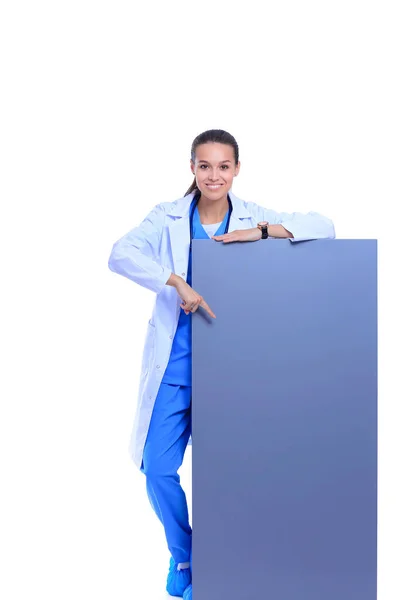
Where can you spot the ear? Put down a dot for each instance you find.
(192, 167)
(238, 166)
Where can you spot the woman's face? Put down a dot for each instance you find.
(214, 169)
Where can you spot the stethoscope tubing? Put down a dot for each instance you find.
(195, 201)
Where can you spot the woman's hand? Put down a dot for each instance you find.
(191, 300)
(241, 235)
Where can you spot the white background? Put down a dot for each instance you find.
(100, 102)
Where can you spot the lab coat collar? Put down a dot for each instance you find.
(181, 206)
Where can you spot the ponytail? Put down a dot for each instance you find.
(192, 187)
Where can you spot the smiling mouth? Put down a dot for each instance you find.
(213, 186)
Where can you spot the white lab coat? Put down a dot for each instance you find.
(158, 247)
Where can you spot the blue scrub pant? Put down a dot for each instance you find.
(167, 439)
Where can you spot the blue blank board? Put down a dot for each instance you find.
(285, 420)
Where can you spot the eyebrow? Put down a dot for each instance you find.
(206, 161)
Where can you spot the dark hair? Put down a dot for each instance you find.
(212, 135)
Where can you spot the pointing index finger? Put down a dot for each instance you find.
(207, 308)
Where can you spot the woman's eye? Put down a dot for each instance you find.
(224, 167)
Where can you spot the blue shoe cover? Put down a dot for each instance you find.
(188, 593)
(177, 581)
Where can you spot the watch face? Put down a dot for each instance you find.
(264, 231)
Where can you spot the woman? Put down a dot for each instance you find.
(157, 256)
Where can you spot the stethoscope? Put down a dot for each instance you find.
(195, 202)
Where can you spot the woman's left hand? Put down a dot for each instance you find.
(241, 235)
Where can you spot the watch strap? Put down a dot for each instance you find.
(264, 231)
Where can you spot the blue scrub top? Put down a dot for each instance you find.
(179, 369)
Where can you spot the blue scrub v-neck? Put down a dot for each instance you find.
(179, 369)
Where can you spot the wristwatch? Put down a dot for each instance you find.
(264, 230)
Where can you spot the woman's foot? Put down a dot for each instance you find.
(187, 595)
(178, 579)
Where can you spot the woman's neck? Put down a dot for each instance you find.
(212, 211)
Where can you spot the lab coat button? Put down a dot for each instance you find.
(171, 337)
(158, 367)
(183, 274)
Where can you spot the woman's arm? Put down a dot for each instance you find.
(309, 226)
(135, 255)
(278, 231)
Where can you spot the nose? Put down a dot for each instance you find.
(213, 176)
